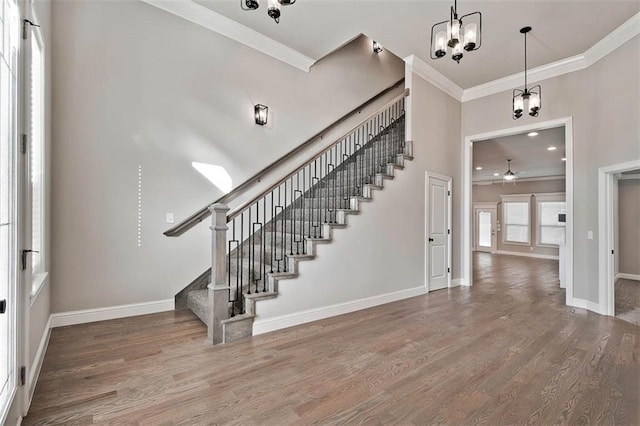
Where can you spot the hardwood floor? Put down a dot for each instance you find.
(627, 304)
(506, 351)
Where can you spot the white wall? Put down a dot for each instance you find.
(382, 251)
(603, 100)
(134, 85)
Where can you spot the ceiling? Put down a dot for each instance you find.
(530, 156)
(560, 29)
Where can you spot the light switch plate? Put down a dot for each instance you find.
(590, 235)
(170, 218)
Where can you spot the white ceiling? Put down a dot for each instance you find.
(530, 156)
(561, 29)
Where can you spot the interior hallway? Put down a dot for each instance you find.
(505, 351)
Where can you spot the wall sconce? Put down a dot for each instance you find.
(261, 112)
(377, 47)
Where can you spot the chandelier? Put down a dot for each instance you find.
(529, 100)
(453, 34)
(273, 7)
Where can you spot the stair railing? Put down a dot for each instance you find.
(259, 241)
(204, 212)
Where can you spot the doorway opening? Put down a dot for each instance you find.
(521, 208)
(619, 227)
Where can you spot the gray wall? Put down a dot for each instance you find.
(491, 193)
(136, 86)
(629, 226)
(603, 100)
(386, 242)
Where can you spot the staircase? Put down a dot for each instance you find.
(261, 242)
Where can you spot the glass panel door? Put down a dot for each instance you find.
(9, 42)
(484, 229)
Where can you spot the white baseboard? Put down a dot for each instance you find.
(632, 277)
(62, 319)
(457, 282)
(34, 371)
(537, 256)
(586, 304)
(297, 318)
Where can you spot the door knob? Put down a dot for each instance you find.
(430, 240)
(3, 306)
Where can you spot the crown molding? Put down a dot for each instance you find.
(608, 44)
(613, 40)
(543, 72)
(531, 179)
(207, 18)
(430, 74)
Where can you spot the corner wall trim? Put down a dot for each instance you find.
(428, 73)
(297, 318)
(207, 18)
(535, 255)
(34, 369)
(62, 319)
(633, 277)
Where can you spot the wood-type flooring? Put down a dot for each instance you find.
(506, 351)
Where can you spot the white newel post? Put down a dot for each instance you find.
(218, 288)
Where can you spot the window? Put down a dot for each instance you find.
(515, 219)
(550, 231)
(35, 128)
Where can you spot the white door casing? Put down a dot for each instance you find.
(438, 231)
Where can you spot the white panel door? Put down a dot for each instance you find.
(438, 233)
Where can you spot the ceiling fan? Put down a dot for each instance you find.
(509, 175)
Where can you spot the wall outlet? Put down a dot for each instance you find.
(590, 235)
(170, 218)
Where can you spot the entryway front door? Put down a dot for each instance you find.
(485, 229)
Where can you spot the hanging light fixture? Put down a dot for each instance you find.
(529, 100)
(273, 7)
(509, 175)
(453, 34)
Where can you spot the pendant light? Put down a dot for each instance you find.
(453, 34)
(273, 7)
(529, 100)
(509, 175)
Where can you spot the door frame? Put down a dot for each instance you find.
(607, 224)
(467, 202)
(427, 216)
(494, 223)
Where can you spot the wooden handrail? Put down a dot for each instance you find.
(204, 212)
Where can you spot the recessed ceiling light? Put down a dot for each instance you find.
(478, 168)
(563, 159)
(496, 174)
(551, 148)
(532, 134)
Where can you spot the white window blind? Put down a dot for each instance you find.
(550, 231)
(516, 219)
